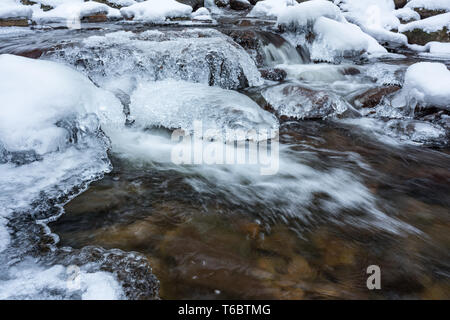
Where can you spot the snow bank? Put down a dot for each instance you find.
(156, 10)
(426, 84)
(429, 4)
(177, 104)
(10, 9)
(431, 24)
(271, 8)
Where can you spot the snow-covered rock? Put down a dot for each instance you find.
(10, 9)
(435, 28)
(406, 15)
(177, 104)
(439, 5)
(336, 39)
(320, 26)
(302, 17)
(426, 84)
(156, 10)
(70, 12)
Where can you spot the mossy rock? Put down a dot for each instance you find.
(418, 36)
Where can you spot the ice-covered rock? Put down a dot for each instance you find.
(406, 15)
(178, 104)
(429, 8)
(121, 59)
(156, 10)
(300, 102)
(427, 84)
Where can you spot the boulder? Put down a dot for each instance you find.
(13, 22)
(240, 4)
(373, 97)
(426, 13)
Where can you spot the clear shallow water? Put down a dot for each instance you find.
(350, 192)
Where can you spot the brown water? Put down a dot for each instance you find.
(203, 246)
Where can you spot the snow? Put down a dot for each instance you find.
(156, 10)
(432, 24)
(271, 8)
(426, 84)
(9, 9)
(429, 4)
(177, 104)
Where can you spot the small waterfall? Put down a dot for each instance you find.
(277, 50)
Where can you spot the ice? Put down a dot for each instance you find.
(156, 10)
(270, 8)
(429, 4)
(31, 281)
(177, 104)
(426, 84)
(432, 24)
(119, 60)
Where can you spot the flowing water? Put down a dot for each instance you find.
(355, 186)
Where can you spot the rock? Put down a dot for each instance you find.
(373, 97)
(240, 4)
(195, 4)
(274, 74)
(13, 22)
(400, 3)
(418, 36)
